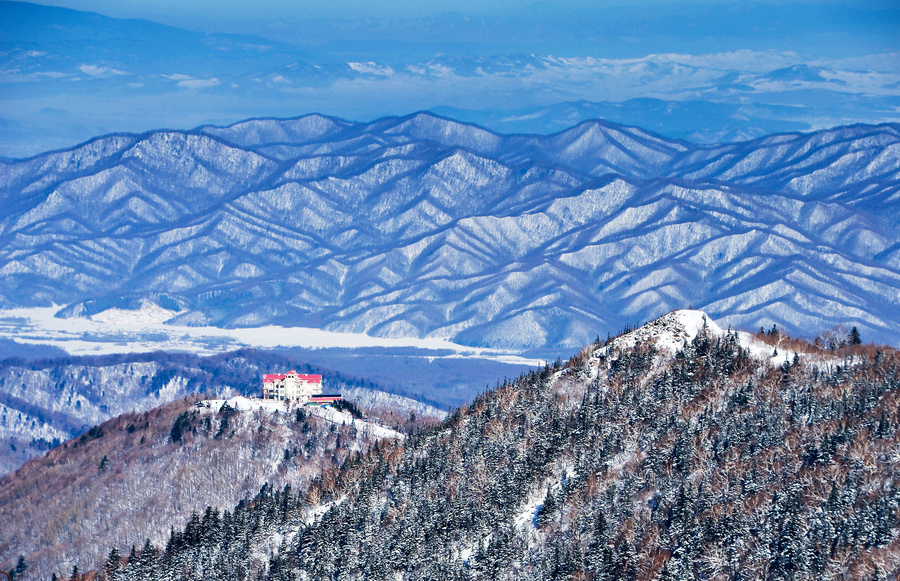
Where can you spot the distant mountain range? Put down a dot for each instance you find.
(425, 226)
(721, 122)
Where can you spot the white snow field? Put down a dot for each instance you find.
(147, 329)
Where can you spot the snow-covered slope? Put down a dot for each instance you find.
(707, 462)
(44, 403)
(676, 330)
(137, 475)
(423, 226)
(242, 403)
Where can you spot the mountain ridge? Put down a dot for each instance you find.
(406, 225)
(137, 475)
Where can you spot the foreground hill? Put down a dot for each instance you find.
(679, 450)
(133, 478)
(46, 402)
(423, 226)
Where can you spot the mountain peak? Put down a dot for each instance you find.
(448, 132)
(675, 330)
(270, 131)
(670, 332)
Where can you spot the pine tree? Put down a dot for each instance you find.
(113, 562)
(791, 551)
(626, 562)
(675, 568)
(545, 514)
(178, 428)
(884, 426)
(855, 339)
(21, 567)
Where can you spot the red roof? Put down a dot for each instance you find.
(325, 399)
(301, 376)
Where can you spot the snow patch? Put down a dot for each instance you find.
(249, 404)
(315, 513)
(149, 313)
(246, 404)
(524, 519)
(346, 419)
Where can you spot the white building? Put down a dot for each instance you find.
(291, 386)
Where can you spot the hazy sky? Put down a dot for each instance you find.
(203, 14)
(694, 69)
(169, 9)
(614, 28)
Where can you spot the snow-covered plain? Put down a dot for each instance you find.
(146, 330)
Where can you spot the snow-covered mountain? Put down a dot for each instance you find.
(677, 450)
(424, 226)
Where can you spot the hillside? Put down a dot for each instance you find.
(136, 476)
(46, 402)
(678, 450)
(427, 227)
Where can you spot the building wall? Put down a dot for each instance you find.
(292, 386)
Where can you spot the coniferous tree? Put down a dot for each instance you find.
(884, 425)
(545, 514)
(178, 428)
(20, 568)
